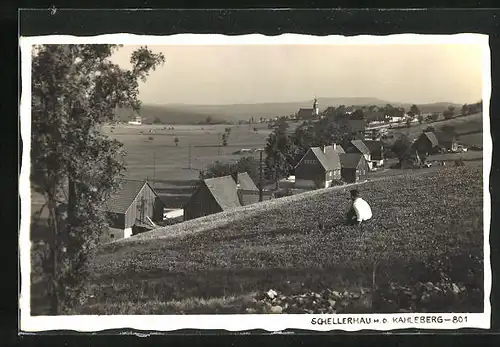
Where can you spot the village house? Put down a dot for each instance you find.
(214, 195)
(308, 113)
(426, 144)
(376, 152)
(318, 167)
(432, 142)
(354, 167)
(358, 146)
(133, 209)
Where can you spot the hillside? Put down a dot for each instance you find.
(192, 114)
(471, 124)
(167, 115)
(276, 244)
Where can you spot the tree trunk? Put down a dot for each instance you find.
(53, 275)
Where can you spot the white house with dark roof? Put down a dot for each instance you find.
(318, 168)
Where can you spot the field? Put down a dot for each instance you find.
(472, 125)
(215, 264)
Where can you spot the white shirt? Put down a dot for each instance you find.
(362, 209)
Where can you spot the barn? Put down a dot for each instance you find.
(358, 146)
(354, 167)
(133, 209)
(376, 152)
(426, 144)
(214, 195)
(318, 168)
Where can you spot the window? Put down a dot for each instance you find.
(310, 162)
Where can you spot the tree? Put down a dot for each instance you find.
(465, 110)
(75, 90)
(224, 138)
(157, 121)
(434, 116)
(415, 110)
(279, 152)
(401, 148)
(449, 113)
(245, 164)
(176, 141)
(429, 129)
(420, 119)
(208, 120)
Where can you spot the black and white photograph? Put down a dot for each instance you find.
(217, 182)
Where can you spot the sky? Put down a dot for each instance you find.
(235, 74)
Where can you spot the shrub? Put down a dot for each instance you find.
(335, 183)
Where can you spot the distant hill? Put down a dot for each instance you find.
(193, 114)
(167, 115)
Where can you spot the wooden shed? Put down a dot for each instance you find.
(214, 195)
(354, 167)
(132, 209)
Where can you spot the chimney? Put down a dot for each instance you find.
(326, 148)
(234, 175)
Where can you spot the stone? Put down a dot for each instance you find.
(271, 294)
(455, 288)
(336, 295)
(276, 309)
(251, 310)
(332, 303)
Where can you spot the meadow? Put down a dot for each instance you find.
(216, 263)
(155, 156)
(471, 126)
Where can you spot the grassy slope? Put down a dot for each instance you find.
(467, 124)
(267, 246)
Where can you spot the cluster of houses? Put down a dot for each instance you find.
(432, 142)
(136, 207)
(320, 167)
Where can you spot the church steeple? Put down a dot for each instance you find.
(315, 107)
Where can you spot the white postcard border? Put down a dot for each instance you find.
(82, 323)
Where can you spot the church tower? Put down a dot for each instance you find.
(315, 107)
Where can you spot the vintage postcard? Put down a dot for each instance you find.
(255, 182)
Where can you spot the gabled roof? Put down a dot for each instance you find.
(350, 160)
(432, 138)
(246, 182)
(339, 149)
(224, 191)
(361, 147)
(333, 158)
(375, 147)
(305, 113)
(125, 196)
(329, 161)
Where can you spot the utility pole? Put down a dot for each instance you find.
(260, 179)
(154, 169)
(190, 156)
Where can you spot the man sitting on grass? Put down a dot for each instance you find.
(360, 211)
